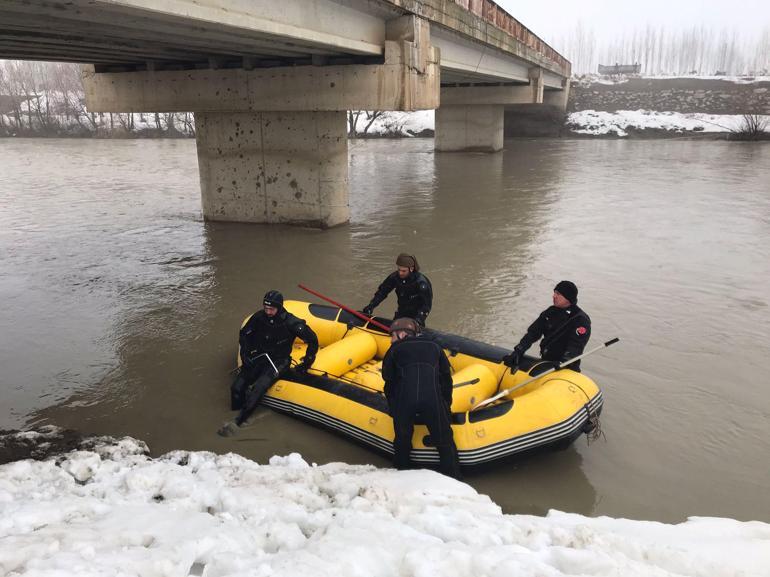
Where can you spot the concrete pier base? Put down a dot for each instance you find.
(274, 167)
(557, 98)
(469, 127)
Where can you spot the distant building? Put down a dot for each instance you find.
(620, 69)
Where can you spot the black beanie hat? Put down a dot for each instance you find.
(568, 290)
(273, 299)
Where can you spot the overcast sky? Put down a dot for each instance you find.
(551, 19)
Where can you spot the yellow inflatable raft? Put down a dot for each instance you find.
(343, 391)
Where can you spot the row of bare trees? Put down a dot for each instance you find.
(696, 50)
(47, 98)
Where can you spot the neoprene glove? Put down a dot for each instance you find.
(248, 362)
(513, 359)
(368, 310)
(305, 364)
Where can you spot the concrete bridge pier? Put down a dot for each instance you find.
(276, 167)
(272, 142)
(471, 118)
(558, 98)
(469, 127)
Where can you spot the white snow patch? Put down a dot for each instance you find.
(396, 123)
(588, 79)
(725, 78)
(600, 122)
(115, 511)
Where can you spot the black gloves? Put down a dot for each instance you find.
(248, 363)
(305, 364)
(368, 310)
(420, 318)
(514, 358)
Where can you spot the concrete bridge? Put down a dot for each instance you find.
(270, 81)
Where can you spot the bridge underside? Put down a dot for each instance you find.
(133, 35)
(270, 82)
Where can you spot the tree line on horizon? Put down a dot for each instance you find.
(697, 50)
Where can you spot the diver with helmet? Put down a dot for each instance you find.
(418, 381)
(265, 343)
(413, 290)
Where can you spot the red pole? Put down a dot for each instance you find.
(343, 307)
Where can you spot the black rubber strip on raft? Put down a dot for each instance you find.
(377, 401)
(541, 441)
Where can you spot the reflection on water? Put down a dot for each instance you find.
(121, 307)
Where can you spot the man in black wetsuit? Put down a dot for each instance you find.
(265, 347)
(418, 380)
(565, 329)
(413, 289)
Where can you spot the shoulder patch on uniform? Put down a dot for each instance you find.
(581, 331)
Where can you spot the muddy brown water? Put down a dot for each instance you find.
(120, 306)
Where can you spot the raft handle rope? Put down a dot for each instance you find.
(509, 390)
(596, 432)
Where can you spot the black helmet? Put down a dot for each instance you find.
(405, 324)
(273, 299)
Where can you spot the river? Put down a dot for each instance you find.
(121, 306)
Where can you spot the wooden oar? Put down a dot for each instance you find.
(501, 394)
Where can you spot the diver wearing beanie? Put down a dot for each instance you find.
(565, 329)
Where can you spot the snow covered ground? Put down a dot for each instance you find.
(748, 79)
(398, 123)
(622, 78)
(113, 510)
(598, 122)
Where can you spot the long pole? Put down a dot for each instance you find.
(501, 394)
(343, 307)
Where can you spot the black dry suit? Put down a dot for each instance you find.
(415, 295)
(418, 380)
(274, 336)
(565, 333)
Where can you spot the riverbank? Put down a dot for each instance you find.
(698, 107)
(654, 124)
(688, 94)
(421, 124)
(112, 509)
(603, 107)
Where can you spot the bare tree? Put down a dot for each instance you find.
(753, 127)
(353, 116)
(697, 49)
(189, 125)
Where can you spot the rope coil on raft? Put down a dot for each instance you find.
(593, 427)
(595, 432)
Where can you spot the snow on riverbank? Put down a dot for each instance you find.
(396, 123)
(588, 79)
(114, 511)
(596, 122)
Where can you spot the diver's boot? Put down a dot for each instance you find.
(229, 429)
